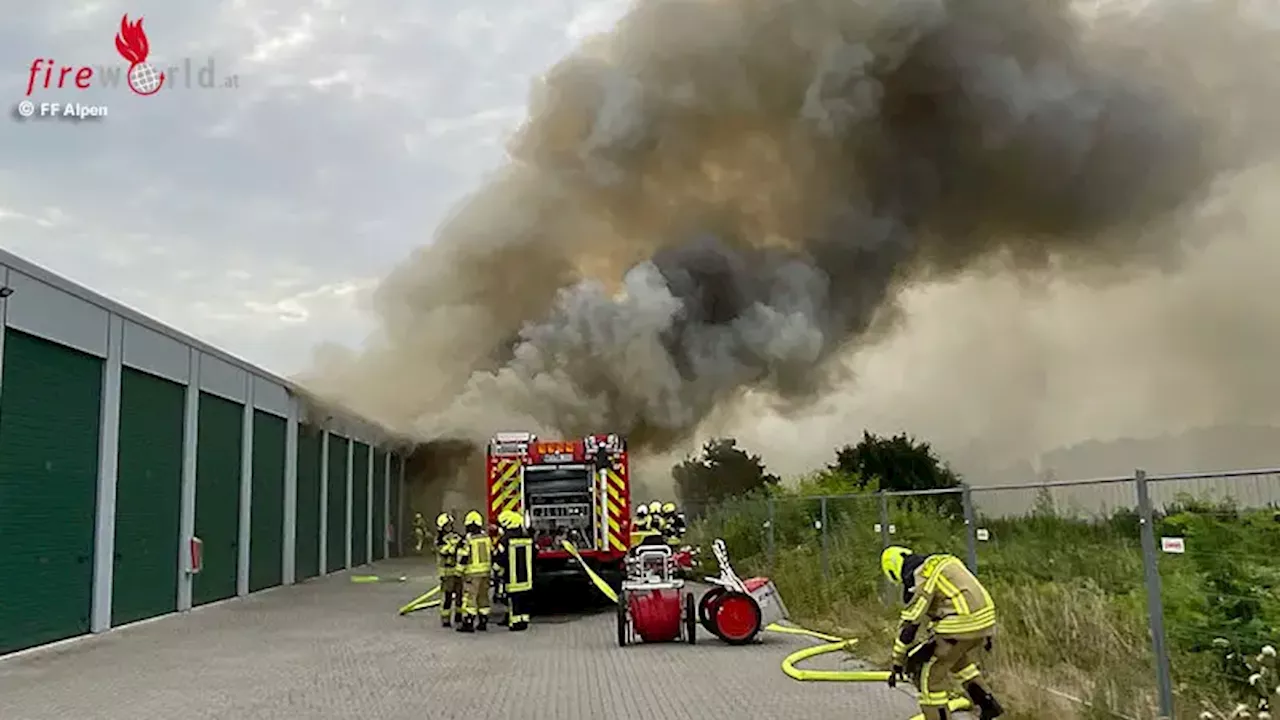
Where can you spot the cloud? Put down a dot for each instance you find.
(260, 217)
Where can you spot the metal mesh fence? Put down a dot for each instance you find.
(1138, 596)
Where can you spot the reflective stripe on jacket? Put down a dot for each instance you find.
(951, 597)
(475, 554)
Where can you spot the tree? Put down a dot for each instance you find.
(720, 471)
(895, 464)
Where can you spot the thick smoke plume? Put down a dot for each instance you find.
(722, 196)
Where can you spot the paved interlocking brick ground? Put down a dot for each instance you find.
(332, 649)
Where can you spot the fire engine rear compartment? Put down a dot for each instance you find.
(561, 504)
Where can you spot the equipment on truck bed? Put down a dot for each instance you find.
(575, 491)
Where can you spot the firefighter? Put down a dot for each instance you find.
(447, 542)
(675, 523)
(940, 589)
(475, 560)
(641, 523)
(419, 532)
(515, 555)
(657, 523)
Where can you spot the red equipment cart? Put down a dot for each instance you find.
(736, 610)
(653, 606)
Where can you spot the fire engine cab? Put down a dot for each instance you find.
(576, 490)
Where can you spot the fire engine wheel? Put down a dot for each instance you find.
(690, 619)
(623, 622)
(706, 608)
(737, 618)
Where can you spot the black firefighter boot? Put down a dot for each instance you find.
(484, 624)
(445, 620)
(988, 707)
(468, 624)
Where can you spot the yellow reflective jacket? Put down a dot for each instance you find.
(947, 595)
(475, 554)
(447, 553)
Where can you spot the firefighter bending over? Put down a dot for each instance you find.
(941, 590)
(675, 523)
(419, 532)
(515, 555)
(447, 542)
(475, 559)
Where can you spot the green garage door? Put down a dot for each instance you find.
(397, 515)
(148, 497)
(336, 544)
(218, 497)
(379, 503)
(360, 505)
(49, 410)
(266, 526)
(307, 538)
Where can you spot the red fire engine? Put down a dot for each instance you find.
(577, 490)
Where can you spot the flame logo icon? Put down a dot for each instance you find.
(131, 43)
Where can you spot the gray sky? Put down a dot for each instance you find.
(259, 217)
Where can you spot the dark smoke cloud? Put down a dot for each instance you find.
(730, 195)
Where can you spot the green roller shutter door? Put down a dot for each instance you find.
(219, 441)
(50, 406)
(379, 503)
(307, 547)
(397, 515)
(266, 527)
(148, 497)
(336, 544)
(360, 505)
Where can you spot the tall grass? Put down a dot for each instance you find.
(1071, 593)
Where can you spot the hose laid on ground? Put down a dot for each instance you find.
(598, 581)
(422, 602)
(836, 644)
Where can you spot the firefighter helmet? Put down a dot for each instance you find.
(669, 508)
(473, 519)
(655, 507)
(510, 520)
(443, 520)
(642, 511)
(891, 562)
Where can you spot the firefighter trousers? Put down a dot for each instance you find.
(450, 594)
(475, 595)
(518, 610)
(951, 659)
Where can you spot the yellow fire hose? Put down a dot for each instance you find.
(422, 602)
(832, 644)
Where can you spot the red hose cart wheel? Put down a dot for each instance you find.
(706, 608)
(690, 620)
(737, 618)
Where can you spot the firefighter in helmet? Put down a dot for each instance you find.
(419, 532)
(657, 522)
(675, 523)
(475, 560)
(514, 554)
(447, 542)
(641, 522)
(940, 589)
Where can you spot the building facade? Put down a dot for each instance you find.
(143, 472)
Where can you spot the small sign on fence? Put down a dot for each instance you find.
(983, 535)
(1174, 545)
(892, 528)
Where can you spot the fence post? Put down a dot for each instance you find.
(887, 593)
(970, 527)
(826, 565)
(768, 524)
(1155, 596)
